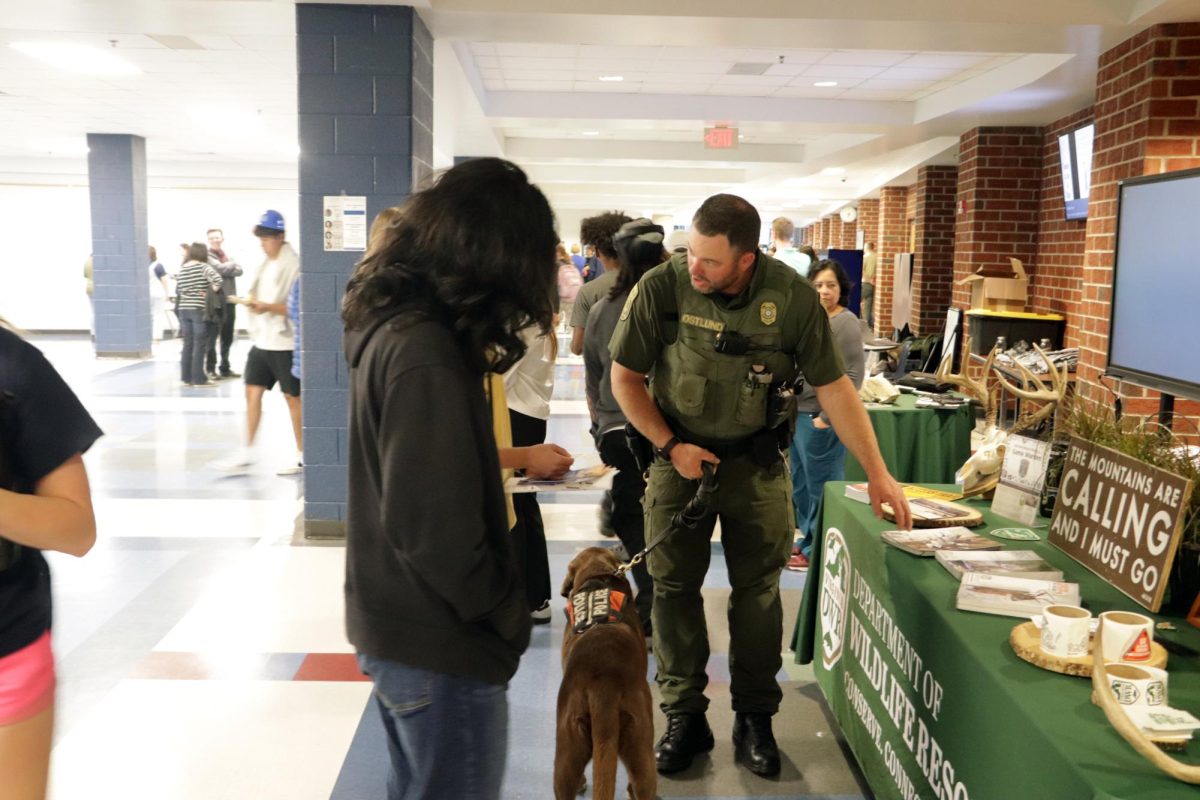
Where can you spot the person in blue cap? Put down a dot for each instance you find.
(271, 337)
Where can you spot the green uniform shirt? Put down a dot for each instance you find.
(650, 320)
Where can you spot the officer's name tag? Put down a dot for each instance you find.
(701, 322)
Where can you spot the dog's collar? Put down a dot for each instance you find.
(590, 608)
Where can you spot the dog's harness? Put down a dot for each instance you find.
(688, 517)
(590, 608)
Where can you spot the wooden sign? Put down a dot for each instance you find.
(1120, 518)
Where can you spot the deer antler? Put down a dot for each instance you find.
(1050, 396)
(977, 389)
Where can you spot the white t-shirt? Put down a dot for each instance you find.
(270, 331)
(530, 382)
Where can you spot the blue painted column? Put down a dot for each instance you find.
(120, 248)
(366, 121)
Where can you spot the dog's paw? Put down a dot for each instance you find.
(582, 786)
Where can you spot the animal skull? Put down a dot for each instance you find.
(981, 472)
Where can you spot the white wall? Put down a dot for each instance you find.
(49, 236)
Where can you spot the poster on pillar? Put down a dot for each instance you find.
(345, 223)
(1121, 518)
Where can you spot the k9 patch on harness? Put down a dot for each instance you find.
(597, 607)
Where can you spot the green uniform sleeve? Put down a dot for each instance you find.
(816, 355)
(641, 331)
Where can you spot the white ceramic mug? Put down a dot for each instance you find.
(1065, 630)
(1127, 636)
(1137, 685)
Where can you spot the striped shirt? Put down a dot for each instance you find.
(192, 281)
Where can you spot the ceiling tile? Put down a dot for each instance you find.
(836, 71)
(728, 54)
(916, 73)
(865, 58)
(547, 66)
(616, 52)
(944, 61)
(487, 62)
(483, 48)
(753, 80)
(538, 86)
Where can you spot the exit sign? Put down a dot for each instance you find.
(720, 138)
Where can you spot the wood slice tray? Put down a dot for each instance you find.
(1026, 642)
(956, 514)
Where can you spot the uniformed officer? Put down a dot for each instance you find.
(715, 328)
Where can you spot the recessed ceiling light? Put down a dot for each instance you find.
(78, 58)
(834, 171)
(825, 84)
(591, 133)
(612, 78)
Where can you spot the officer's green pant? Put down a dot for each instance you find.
(754, 507)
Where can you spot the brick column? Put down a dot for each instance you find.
(892, 238)
(933, 262)
(999, 183)
(366, 116)
(827, 240)
(835, 231)
(1147, 122)
(120, 248)
(868, 220)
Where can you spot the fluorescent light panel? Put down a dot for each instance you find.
(78, 58)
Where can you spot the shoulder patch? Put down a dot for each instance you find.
(633, 293)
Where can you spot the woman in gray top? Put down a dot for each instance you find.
(816, 453)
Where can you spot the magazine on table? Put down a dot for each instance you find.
(1015, 563)
(598, 477)
(929, 542)
(1013, 597)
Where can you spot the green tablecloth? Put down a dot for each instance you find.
(919, 445)
(921, 688)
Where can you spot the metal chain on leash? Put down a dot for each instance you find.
(699, 507)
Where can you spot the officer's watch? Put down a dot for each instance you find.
(664, 452)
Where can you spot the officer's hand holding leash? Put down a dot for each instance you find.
(689, 458)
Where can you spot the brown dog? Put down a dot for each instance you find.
(604, 708)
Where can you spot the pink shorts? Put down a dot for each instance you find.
(27, 682)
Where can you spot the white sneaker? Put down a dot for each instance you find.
(541, 614)
(237, 464)
(293, 469)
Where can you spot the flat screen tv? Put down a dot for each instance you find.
(1154, 339)
(1075, 159)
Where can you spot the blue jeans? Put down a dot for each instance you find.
(194, 331)
(447, 736)
(816, 455)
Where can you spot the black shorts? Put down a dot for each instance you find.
(266, 367)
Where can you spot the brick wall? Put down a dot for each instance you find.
(1056, 288)
(826, 232)
(892, 238)
(850, 235)
(999, 184)
(1147, 121)
(868, 220)
(835, 231)
(933, 262)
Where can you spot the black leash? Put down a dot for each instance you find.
(687, 518)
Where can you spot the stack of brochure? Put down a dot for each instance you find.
(1013, 597)
(1014, 563)
(1163, 723)
(927, 543)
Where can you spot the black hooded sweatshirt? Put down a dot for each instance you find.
(431, 580)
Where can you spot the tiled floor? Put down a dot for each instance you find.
(201, 652)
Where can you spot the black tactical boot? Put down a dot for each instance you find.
(686, 736)
(754, 744)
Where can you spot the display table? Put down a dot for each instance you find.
(921, 689)
(919, 445)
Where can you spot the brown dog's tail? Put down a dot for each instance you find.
(606, 740)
